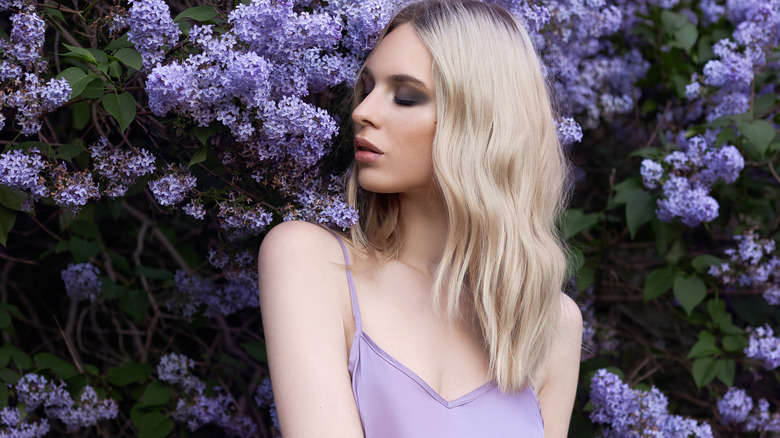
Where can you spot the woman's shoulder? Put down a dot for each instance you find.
(299, 241)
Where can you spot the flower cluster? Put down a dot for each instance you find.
(173, 187)
(596, 336)
(764, 346)
(23, 171)
(72, 190)
(26, 39)
(197, 408)
(634, 413)
(151, 29)
(264, 397)
(35, 98)
(569, 131)
(238, 291)
(690, 175)
(752, 263)
(34, 391)
(81, 281)
(737, 407)
(119, 169)
(15, 427)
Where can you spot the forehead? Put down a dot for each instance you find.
(402, 52)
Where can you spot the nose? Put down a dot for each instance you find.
(365, 113)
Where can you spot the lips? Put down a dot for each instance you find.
(361, 144)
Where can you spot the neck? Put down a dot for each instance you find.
(424, 227)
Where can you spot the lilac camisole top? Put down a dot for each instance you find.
(394, 402)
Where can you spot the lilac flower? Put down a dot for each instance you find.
(253, 220)
(119, 169)
(81, 281)
(651, 173)
(752, 263)
(85, 412)
(34, 99)
(26, 39)
(772, 295)
(8, 4)
(175, 368)
(764, 346)
(151, 29)
(691, 204)
(72, 190)
(195, 209)
(202, 410)
(16, 428)
(9, 70)
(692, 90)
(569, 131)
(760, 420)
(634, 413)
(32, 390)
(711, 11)
(735, 406)
(20, 170)
(173, 187)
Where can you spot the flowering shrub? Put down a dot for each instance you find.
(148, 146)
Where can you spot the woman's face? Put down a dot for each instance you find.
(396, 120)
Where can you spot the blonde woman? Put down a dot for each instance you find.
(441, 314)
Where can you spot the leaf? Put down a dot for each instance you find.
(197, 13)
(12, 198)
(202, 133)
(703, 262)
(199, 156)
(119, 43)
(134, 303)
(80, 54)
(639, 211)
(99, 55)
(85, 229)
(77, 80)
(704, 370)
(154, 425)
(726, 326)
(651, 152)
(69, 151)
(625, 190)
(256, 350)
(726, 370)
(122, 107)
(5, 320)
(5, 356)
(9, 376)
(128, 372)
(689, 291)
(732, 343)
(575, 220)
(96, 88)
(705, 346)
(130, 57)
(658, 282)
(7, 221)
(81, 114)
(685, 37)
(114, 69)
(716, 309)
(160, 274)
(83, 250)
(3, 396)
(758, 135)
(155, 394)
(61, 368)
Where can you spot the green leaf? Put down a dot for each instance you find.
(99, 55)
(689, 291)
(77, 80)
(758, 134)
(726, 326)
(658, 282)
(256, 350)
(704, 370)
(672, 21)
(122, 107)
(685, 37)
(83, 250)
(197, 13)
(716, 309)
(705, 346)
(575, 220)
(199, 156)
(651, 152)
(639, 211)
(130, 57)
(96, 88)
(764, 103)
(9, 376)
(155, 394)
(7, 221)
(626, 190)
(703, 262)
(154, 425)
(5, 320)
(80, 54)
(5, 356)
(81, 114)
(202, 133)
(12, 198)
(119, 43)
(85, 229)
(3, 396)
(128, 372)
(69, 151)
(159, 274)
(61, 368)
(114, 69)
(726, 370)
(732, 343)
(134, 303)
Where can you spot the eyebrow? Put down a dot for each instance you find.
(399, 78)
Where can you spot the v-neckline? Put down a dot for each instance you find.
(462, 400)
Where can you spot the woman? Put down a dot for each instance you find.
(455, 269)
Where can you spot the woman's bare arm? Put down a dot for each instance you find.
(303, 291)
(560, 372)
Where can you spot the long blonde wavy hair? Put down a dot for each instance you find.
(503, 176)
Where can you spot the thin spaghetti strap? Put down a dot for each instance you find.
(352, 292)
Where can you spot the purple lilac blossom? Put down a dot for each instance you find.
(760, 420)
(569, 131)
(752, 263)
(81, 281)
(651, 173)
(151, 29)
(764, 347)
(691, 204)
(26, 39)
(85, 412)
(173, 187)
(711, 11)
(32, 390)
(34, 99)
(194, 209)
(202, 409)
(16, 428)
(119, 169)
(20, 170)
(735, 406)
(251, 219)
(8, 4)
(772, 295)
(175, 368)
(628, 412)
(72, 190)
